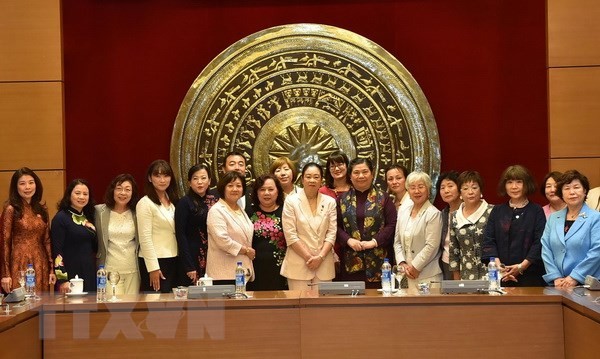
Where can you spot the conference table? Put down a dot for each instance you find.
(524, 323)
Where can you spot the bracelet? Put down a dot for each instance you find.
(374, 240)
(520, 268)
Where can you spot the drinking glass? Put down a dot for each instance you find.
(247, 276)
(113, 278)
(22, 278)
(399, 272)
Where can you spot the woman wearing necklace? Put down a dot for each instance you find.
(24, 233)
(549, 191)
(467, 225)
(571, 239)
(229, 231)
(447, 187)
(156, 228)
(268, 240)
(117, 233)
(418, 233)
(395, 177)
(309, 224)
(514, 230)
(190, 224)
(73, 235)
(285, 171)
(366, 223)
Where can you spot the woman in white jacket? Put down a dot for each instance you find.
(156, 229)
(418, 233)
(230, 231)
(310, 224)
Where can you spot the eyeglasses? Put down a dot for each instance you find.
(337, 165)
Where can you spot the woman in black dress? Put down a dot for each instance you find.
(190, 224)
(268, 240)
(73, 236)
(514, 231)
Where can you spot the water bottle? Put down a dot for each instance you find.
(30, 281)
(240, 278)
(493, 274)
(386, 277)
(101, 284)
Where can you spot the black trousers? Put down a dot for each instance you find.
(168, 267)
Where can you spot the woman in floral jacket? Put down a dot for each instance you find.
(268, 239)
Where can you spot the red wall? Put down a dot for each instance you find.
(128, 65)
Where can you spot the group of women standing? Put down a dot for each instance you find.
(293, 237)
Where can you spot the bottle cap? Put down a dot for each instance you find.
(239, 263)
(101, 266)
(386, 260)
(492, 259)
(29, 265)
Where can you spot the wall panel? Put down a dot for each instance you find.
(573, 29)
(31, 118)
(30, 40)
(590, 167)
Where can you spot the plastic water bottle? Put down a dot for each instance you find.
(386, 277)
(30, 281)
(240, 278)
(101, 284)
(493, 274)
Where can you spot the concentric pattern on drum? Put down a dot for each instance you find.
(304, 91)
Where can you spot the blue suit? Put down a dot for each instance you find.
(576, 253)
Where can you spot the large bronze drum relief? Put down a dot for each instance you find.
(304, 91)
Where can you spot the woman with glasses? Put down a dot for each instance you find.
(337, 176)
(117, 233)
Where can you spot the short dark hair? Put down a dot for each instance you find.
(312, 164)
(570, 176)
(555, 175)
(227, 178)
(360, 161)
(259, 182)
(15, 200)
(450, 176)
(232, 153)
(336, 157)
(470, 176)
(519, 173)
(397, 166)
(155, 168)
(109, 195)
(65, 202)
(195, 168)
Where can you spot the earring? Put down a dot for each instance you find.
(460, 197)
(481, 195)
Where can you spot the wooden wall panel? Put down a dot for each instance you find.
(54, 186)
(573, 29)
(30, 40)
(31, 118)
(590, 167)
(581, 335)
(574, 111)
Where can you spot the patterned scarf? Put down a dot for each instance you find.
(369, 260)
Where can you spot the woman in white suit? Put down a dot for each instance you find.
(116, 229)
(571, 239)
(156, 225)
(418, 233)
(309, 224)
(230, 231)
